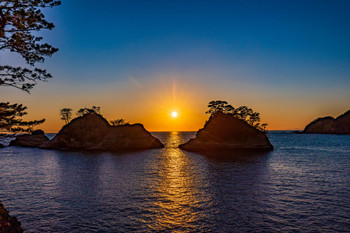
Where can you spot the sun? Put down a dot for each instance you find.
(174, 114)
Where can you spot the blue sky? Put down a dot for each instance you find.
(279, 49)
(245, 28)
(275, 43)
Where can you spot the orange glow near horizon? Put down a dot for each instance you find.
(151, 104)
(152, 100)
(166, 106)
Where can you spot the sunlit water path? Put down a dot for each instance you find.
(303, 185)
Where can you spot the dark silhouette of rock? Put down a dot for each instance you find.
(30, 140)
(38, 132)
(225, 132)
(129, 137)
(8, 224)
(330, 125)
(1, 145)
(93, 132)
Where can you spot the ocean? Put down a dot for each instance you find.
(303, 185)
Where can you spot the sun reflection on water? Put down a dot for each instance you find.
(177, 196)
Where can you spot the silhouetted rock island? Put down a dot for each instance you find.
(8, 224)
(330, 125)
(35, 139)
(225, 132)
(93, 132)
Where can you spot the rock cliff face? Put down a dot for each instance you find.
(92, 132)
(225, 132)
(330, 125)
(8, 224)
(30, 140)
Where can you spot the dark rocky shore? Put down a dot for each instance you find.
(225, 132)
(330, 125)
(92, 132)
(8, 224)
(30, 140)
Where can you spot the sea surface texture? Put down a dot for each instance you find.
(301, 186)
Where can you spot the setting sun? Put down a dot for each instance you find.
(174, 114)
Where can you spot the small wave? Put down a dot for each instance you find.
(5, 140)
(315, 148)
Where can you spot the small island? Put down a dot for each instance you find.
(230, 129)
(92, 132)
(330, 125)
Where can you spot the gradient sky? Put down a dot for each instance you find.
(141, 60)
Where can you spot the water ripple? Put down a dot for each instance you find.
(302, 186)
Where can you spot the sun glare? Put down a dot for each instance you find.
(174, 114)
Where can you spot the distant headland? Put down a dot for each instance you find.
(330, 125)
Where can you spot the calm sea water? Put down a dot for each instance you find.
(301, 186)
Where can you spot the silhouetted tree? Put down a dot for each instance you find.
(262, 127)
(229, 109)
(118, 122)
(19, 22)
(81, 112)
(243, 112)
(66, 114)
(11, 118)
(84, 111)
(96, 109)
(219, 106)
